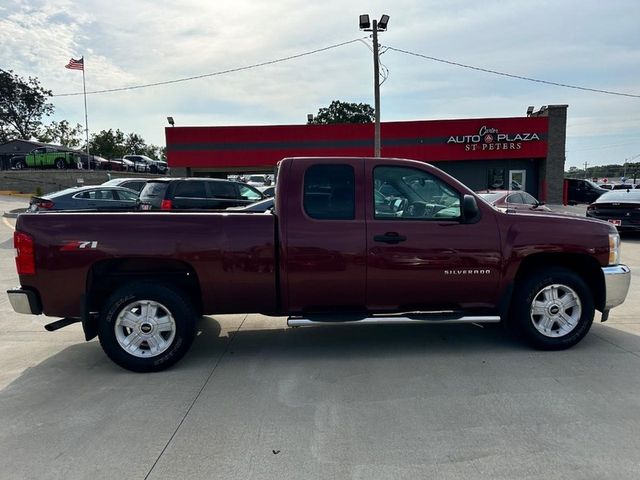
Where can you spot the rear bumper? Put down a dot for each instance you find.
(616, 282)
(25, 301)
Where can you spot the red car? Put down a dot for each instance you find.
(513, 200)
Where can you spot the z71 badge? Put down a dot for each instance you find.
(79, 245)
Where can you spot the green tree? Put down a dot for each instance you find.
(62, 133)
(134, 143)
(23, 103)
(344, 112)
(115, 144)
(108, 144)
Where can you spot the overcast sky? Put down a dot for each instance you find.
(590, 43)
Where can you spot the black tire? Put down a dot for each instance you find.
(20, 165)
(570, 288)
(60, 164)
(111, 332)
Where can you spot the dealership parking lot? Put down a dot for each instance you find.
(255, 399)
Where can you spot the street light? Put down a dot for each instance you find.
(377, 27)
(171, 122)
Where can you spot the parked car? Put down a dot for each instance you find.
(100, 163)
(267, 191)
(582, 191)
(142, 163)
(196, 193)
(91, 197)
(623, 186)
(256, 180)
(136, 184)
(259, 206)
(618, 207)
(510, 201)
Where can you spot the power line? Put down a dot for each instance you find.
(214, 74)
(510, 75)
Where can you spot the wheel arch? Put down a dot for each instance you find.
(106, 276)
(585, 266)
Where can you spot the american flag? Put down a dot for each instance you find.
(75, 64)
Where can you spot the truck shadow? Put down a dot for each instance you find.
(79, 369)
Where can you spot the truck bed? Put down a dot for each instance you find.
(230, 254)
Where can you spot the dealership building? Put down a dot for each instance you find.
(525, 152)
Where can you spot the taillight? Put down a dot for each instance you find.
(166, 205)
(46, 204)
(25, 254)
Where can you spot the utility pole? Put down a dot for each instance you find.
(376, 90)
(382, 27)
(585, 170)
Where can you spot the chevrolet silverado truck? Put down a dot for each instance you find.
(349, 240)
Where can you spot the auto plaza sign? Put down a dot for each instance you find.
(488, 139)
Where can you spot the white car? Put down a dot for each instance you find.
(146, 164)
(256, 180)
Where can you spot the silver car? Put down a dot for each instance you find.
(91, 197)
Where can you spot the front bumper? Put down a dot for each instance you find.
(616, 283)
(25, 301)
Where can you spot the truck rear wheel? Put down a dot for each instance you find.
(146, 326)
(553, 309)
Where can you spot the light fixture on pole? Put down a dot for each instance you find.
(171, 122)
(380, 26)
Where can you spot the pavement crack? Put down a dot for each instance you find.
(195, 399)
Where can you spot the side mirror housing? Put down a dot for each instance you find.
(470, 209)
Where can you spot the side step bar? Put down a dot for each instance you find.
(420, 318)
(63, 322)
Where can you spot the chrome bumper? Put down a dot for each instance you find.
(25, 301)
(616, 283)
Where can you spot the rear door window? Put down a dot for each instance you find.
(193, 189)
(329, 192)
(222, 189)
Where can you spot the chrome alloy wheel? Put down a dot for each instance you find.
(145, 328)
(556, 310)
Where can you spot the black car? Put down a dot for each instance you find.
(619, 207)
(196, 193)
(583, 191)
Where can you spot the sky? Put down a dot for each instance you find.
(589, 43)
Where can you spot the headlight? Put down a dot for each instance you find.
(614, 249)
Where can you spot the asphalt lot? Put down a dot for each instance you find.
(254, 399)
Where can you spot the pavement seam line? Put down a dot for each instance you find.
(204, 385)
(616, 345)
(6, 222)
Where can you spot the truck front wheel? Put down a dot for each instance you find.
(146, 326)
(553, 309)
(60, 164)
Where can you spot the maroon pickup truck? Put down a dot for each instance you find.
(358, 240)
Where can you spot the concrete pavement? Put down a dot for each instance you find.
(254, 399)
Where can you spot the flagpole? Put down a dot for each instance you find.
(86, 120)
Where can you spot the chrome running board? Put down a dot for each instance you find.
(420, 318)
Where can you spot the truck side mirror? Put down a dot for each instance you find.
(470, 210)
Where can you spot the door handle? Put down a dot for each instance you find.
(390, 237)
